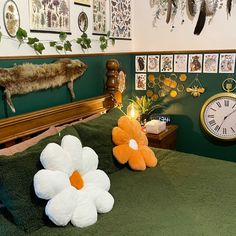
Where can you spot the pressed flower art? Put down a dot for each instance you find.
(132, 144)
(70, 180)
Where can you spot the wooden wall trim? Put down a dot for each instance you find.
(117, 53)
(38, 121)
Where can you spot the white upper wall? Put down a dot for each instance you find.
(219, 34)
(10, 47)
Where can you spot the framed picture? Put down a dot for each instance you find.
(180, 62)
(227, 63)
(195, 63)
(11, 18)
(210, 64)
(83, 21)
(153, 63)
(140, 63)
(49, 16)
(166, 63)
(140, 81)
(85, 3)
(99, 17)
(120, 21)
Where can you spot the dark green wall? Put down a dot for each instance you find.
(185, 110)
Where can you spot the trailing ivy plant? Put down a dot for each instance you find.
(104, 41)
(63, 44)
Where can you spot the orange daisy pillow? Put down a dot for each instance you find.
(132, 145)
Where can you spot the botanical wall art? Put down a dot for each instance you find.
(140, 81)
(11, 18)
(166, 63)
(199, 11)
(153, 63)
(99, 17)
(210, 64)
(120, 19)
(195, 63)
(49, 15)
(227, 63)
(180, 62)
(82, 2)
(140, 63)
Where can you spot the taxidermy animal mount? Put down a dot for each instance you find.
(22, 79)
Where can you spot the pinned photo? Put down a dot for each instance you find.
(140, 63)
(140, 81)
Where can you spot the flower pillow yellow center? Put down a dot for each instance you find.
(76, 180)
(132, 145)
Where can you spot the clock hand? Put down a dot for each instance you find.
(227, 117)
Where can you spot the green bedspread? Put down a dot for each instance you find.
(185, 195)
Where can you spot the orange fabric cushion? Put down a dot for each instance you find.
(132, 144)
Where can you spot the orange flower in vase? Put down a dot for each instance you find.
(132, 144)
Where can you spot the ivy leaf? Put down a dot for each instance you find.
(32, 41)
(38, 47)
(62, 36)
(0, 36)
(59, 47)
(52, 43)
(21, 34)
(67, 46)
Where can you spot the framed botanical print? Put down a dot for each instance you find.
(120, 21)
(11, 18)
(83, 2)
(49, 16)
(99, 17)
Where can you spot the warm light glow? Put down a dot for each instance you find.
(132, 112)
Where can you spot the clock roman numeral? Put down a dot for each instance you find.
(226, 102)
(210, 116)
(218, 104)
(213, 109)
(224, 131)
(234, 105)
(217, 128)
(232, 129)
(212, 122)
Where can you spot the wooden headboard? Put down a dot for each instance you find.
(22, 127)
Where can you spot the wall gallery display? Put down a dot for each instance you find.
(11, 18)
(82, 2)
(153, 63)
(210, 64)
(140, 63)
(195, 63)
(227, 63)
(120, 19)
(166, 63)
(180, 62)
(140, 81)
(99, 17)
(49, 16)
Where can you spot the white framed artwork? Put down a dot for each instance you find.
(140, 63)
(227, 63)
(180, 63)
(195, 63)
(140, 81)
(166, 63)
(153, 63)
(210, 63)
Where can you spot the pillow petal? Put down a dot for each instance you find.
(136, 161)
(98, 178)
(119, 136)
(90, 160)
(125, 123)
(73, 146)
(85, 213)
(122, 153)
(148, 156)
(60, 208)
(48, 183)
(53, 157)
(104, 202)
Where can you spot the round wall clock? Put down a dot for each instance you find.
(218, 116)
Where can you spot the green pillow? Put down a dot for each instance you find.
(97, 134)
(16, 183)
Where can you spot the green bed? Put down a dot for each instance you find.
(184, 195)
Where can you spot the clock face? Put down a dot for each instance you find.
(218, 116)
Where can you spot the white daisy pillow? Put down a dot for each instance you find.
(75, 188)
